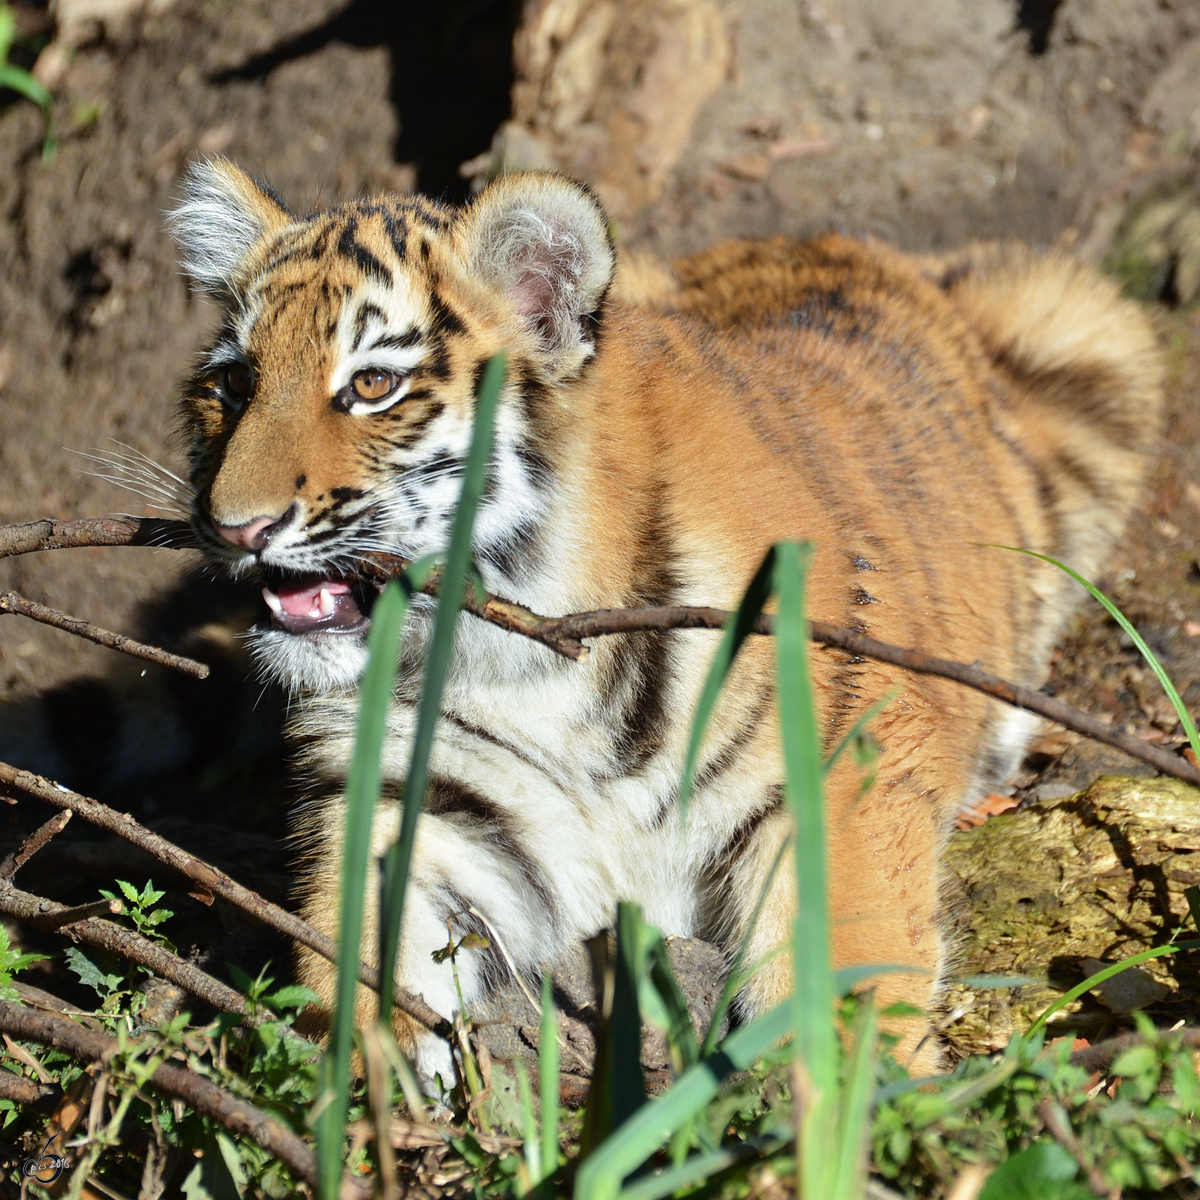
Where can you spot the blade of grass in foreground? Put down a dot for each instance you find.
(816, 1037)
(548, 1085)
(600, 1176)
(740, 626)
(1185, 718)
(362, 793)
(1100, 976)
(437, 664)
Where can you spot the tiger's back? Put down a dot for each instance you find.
(652, 443)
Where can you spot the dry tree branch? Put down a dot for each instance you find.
(200, 1094)
(215, 880)
(10, 602)
(23, 1091)
(33, 843)
(565, 634)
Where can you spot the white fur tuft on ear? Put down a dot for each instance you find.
(223, 215)
(543, 240)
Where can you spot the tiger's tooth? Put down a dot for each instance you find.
(325, 603)
(273, 601)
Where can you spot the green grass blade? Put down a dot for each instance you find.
(1100, 976)
(601, 1175)
(859, 728)
(701, 1167)
(21, 81)
(1185, 718)
(533, 1144)
(733, 980)
(855, 1108)
(814, 990)
(8, 30)
(548, 1085)
(362, 793)
(1192, 896)
(740, 625)
(681, 1036)
(625, 1030)
(437, 664)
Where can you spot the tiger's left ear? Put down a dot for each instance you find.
(543, 241)
(223, 216)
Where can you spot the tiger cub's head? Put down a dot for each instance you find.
(332, 412)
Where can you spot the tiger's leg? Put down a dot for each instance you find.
(882, 881)
(458, 864)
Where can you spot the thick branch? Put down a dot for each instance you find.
(49, 534)
(565, 635)
(200, 1094)
(10, 602)
(216, 881)
(23, 1091)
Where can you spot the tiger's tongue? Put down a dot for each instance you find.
(299, 598)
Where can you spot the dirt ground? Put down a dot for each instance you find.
(926, 122)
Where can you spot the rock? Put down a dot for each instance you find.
(510, 1028)
(1043, 891)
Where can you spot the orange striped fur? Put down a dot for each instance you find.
(658, 433)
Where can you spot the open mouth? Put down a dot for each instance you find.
(319, 603)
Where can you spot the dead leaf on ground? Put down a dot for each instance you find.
(992, 805)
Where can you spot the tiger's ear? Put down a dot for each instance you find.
(543, 241)
(223, 214)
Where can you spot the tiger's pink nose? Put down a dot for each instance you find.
(254, 535)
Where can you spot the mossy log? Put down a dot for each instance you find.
(1097, 875)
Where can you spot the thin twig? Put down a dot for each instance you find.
(54, 921)
(1102, 1055)
(33, 843)
(215, 880)
(1057, 1121)
(10, 602)
(565, 634)
(200, 1094)
(56, 918)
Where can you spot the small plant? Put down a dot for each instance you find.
(19, 80)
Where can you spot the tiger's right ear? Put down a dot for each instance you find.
(223, 215)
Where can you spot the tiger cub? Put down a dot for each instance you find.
(655, 436)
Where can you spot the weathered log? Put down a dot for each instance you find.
(1097, 875)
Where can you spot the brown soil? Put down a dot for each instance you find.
(927, 122)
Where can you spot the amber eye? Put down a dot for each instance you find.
(239, 382)
(372, 384)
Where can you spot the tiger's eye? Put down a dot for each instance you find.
(373, 385)
(239, 380)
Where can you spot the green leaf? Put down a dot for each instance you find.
(293, 996)
(437, 664)
(24, 83)
(90, 974)
(128, 891)
(1137, 1060)
(1043, 1171)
